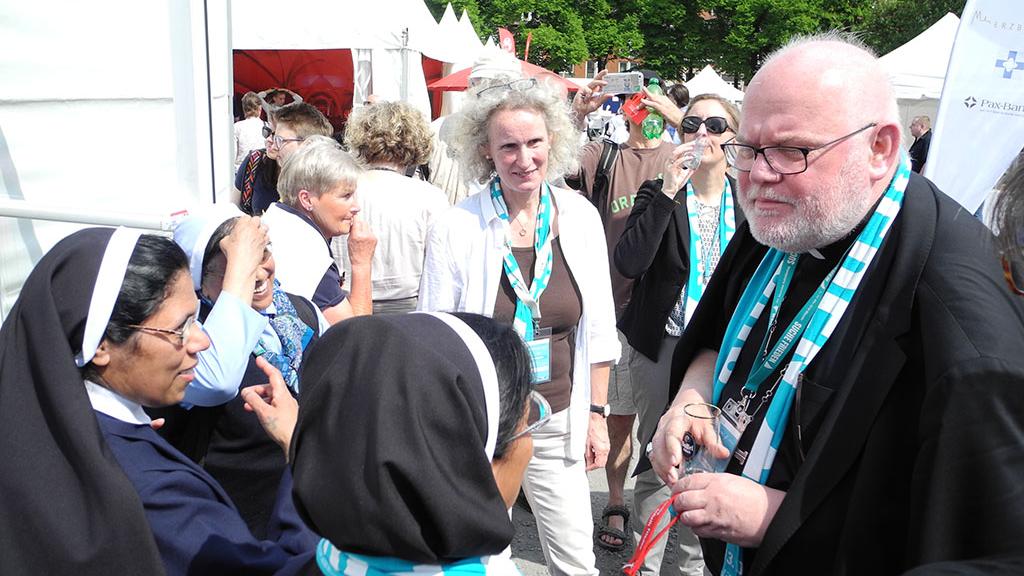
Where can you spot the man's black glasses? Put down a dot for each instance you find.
(781, 159)
(267, 132)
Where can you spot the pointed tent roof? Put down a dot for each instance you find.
(707, 81)
(918, 68)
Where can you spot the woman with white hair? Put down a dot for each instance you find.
(532, 255)
(318, 202)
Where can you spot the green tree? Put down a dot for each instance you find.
(891, 23)
(610, 30)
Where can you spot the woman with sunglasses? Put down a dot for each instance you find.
(675, 234)
(528, 254)
(103, 327)
(410, 465)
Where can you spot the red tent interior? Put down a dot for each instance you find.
(322, 77)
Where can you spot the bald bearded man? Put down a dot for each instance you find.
(861, 344)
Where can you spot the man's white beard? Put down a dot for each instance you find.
(827, 215)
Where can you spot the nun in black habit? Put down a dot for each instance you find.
(411, 443)
(103, 327)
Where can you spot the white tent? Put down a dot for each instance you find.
(460, 32)
(386, 37)
(707, 81)
(918, 69)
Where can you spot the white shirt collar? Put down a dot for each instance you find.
(114, 405)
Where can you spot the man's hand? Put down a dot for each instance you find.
(667, 454)
(597, 442)
(589, 99)
(274, 405)
(665, 106)
(361, 243)
(726, 507)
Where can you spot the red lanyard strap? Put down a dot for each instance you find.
(648, 537)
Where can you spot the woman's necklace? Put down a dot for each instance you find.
(522, 227)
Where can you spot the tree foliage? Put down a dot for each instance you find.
(677, 38)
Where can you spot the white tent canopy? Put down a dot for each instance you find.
(388, 47)
(918, 69)
(707, 81)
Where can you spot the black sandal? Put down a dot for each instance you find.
(603, 529)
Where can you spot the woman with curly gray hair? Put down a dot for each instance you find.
(532, 255)
(388, 138)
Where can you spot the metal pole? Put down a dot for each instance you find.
(38, 211)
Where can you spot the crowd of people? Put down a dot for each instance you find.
(344, 373)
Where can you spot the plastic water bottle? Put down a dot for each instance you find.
(654, 124)
(698, 152)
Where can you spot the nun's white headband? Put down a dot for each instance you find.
(104, 293)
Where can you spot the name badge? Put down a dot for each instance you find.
(732, 424)
(540, 355)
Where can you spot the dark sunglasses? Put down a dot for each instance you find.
(715, 124)
(267, 132)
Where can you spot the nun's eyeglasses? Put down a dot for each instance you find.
(181, 333)
(520, 85)
(540, 413)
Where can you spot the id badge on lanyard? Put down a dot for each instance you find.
(540, 355)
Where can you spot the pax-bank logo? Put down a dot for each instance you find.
(1012, 63)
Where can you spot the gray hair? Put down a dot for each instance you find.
(1008, 213)
(467, 137)
(319, 165)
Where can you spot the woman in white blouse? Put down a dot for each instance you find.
(531, 254)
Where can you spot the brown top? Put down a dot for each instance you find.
(560, 309)
(632, 167)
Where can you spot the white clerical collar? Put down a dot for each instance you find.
(114, 405)
(814, 252)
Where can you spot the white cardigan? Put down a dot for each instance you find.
(463, 270)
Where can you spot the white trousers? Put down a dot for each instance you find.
(559, 494)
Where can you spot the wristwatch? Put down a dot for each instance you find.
(602, 409)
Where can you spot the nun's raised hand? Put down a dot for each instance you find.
(274, 406)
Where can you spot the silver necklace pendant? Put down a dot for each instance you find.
(522, 231)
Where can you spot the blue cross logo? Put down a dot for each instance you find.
(1010, 64)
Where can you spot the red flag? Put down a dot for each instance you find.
(526, 54)
(506, 41)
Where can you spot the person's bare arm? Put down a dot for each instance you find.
(598, 445)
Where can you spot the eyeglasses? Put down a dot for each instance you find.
(182, 333)
(715, 124)
(540, 413)
(520, 85)
(1008, 273)
(267, 132)
(280, 142)
(782, 159)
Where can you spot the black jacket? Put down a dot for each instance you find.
(919, 453)
(654, 249)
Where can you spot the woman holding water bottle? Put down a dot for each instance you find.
(676, 232)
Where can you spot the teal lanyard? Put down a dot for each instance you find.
(527, 314)
(767, 362)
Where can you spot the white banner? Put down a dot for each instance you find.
(980, 125)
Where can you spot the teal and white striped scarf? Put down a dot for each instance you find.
(527, 299)
(726, 228)
(826, 317)
(334, 562)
